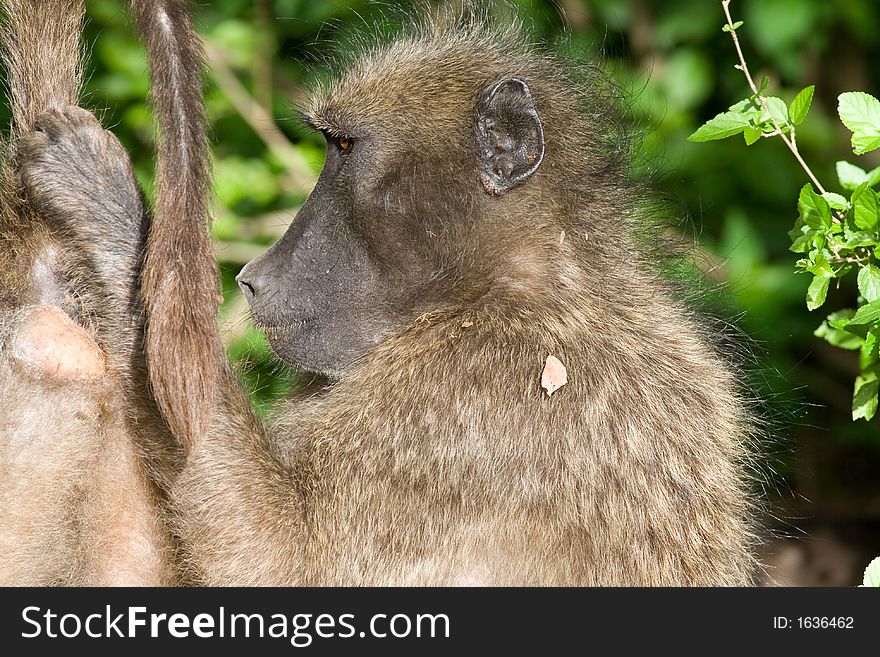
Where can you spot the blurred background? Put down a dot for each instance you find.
(737, 203)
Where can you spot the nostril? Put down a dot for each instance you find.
(252, 281)
(247, 289)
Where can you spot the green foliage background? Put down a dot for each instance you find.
(678, 66)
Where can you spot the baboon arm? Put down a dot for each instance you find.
(238, 510)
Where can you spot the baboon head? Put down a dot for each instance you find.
(449, 154)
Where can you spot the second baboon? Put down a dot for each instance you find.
(471, 228)
(81, 468)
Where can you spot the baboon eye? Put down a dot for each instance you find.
(340, 141)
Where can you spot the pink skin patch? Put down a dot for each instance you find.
(51, 344)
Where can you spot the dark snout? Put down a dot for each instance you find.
(317, 293)
(288, 269)
(270, 280)
(252, 282)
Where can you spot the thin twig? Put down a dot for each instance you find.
(265, 53)
(260, 120)
(840, 260)
(860, 256)
(790, 142)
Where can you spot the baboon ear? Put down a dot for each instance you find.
(510, 137)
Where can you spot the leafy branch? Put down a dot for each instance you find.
(799, 109)
(836, 235)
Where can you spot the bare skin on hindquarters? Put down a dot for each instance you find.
(426, 277)
(84, 453)
(75, 506)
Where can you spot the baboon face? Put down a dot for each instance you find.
(391, 223)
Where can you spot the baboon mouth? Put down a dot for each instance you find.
(275, 332)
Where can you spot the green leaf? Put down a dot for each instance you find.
(799, 107)
(869, 283)
(840, 318)
(765, 82)
(864, 319)
(803, 243)
(869, 354)
(751, 135)
(731, 28)
(860, 112)
(722, 126)
(850, 175)
(873, 177)
(836, 201)
(776, 110)
(817, 291)
(813, 209)
(867, 314)
(819, 264)
(864, 403)
(865, 209)
(838, 337)
(859, 239)
(865, 143)
(749, 107)
(872, 574)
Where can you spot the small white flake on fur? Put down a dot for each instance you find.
(554, 375)
(561, 237)
(467, 324)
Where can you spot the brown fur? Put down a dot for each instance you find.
(43, 59)
(180, 287)
(438, 459)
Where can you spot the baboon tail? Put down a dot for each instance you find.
(42, 54)
(180, 278)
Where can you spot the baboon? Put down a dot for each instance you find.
(472, 227)
(81, 467)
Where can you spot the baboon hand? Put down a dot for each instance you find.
(74, 171)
